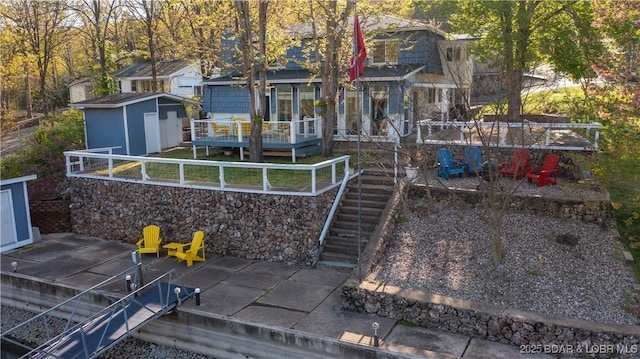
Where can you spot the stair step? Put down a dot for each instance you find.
(350, 233)
(346, 248)
(364, 227)
(335, 266)
(366, 199)
(353, 217)
(338, 257)
(366, 211)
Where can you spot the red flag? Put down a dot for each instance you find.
(359, 52)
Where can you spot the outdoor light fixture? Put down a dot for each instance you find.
(127, 279)
(15, 266)
(177, 291)
(197, 291)
(375, 327)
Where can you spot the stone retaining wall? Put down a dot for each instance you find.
(583, 209)
(528, 330)
(254, 226)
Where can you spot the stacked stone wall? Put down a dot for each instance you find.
(276, 228)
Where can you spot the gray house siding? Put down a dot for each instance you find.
(105, 128)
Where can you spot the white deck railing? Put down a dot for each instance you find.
(288, 179)
(555, 136)
(230, 130)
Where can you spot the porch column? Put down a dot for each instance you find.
(444, 104)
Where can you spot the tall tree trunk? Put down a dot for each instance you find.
(255, 141)
(27, 91)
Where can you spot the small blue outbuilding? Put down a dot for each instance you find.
(134, 123)
(15, 218)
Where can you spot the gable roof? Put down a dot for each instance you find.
(127, 98)
(375, 23)
(143, 69)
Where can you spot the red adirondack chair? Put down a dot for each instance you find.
(548, 172)
(518, 166)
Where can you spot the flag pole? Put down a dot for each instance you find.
(359, 130)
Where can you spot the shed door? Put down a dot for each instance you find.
(152, 132)
(7, 222)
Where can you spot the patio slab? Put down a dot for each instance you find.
(479, 349)
(230, 263)
(104, 250)
(276, 269)
(226, 298)
(425, 342)
(297, 295)
(329, 319)
(45, 251)
(85, 280)
(262, 281)
(113, 266)
(71, 265)
(270, 315)
(322, 277)
(205, 277)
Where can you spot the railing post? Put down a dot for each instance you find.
(313, 181)
(110, 166)
(595, 140)
(547, 136)
(68, 163)
(333, 173)
(265, 180)
(292, 132)
(143, 171)
(181, 166)
(221, 170)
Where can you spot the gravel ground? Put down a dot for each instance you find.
(448, 251)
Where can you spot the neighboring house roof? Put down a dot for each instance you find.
(127, 98)
(81, 81)
(143, 69)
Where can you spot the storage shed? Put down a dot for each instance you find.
(136, 123)
(15, 218)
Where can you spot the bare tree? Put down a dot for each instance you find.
(256, 113)
(148, 11)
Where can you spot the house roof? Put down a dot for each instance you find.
(127, 98)
(288, 76)
(375, 23)
(143, 69)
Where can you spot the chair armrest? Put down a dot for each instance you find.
(139, 242)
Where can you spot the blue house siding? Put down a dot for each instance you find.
(17, 188)
(105, 128)
(135, 125)
(226, 99)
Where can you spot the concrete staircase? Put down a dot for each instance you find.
(341, 244)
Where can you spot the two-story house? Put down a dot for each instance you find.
(179, 77)
(412, 72)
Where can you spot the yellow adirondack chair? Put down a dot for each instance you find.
(150, 242)
(219, 130)
(245, 124)
(190, 255)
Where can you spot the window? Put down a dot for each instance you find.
(432, 95)
(307, 102)
(284, 96)
(385, 51)
(134, 86)
(379, 110)
(454, 53)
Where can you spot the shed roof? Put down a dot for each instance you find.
(127, 98)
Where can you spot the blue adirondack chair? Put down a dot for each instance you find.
(447, 166)
(473, 160)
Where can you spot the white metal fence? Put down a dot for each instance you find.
(298, 179)
(555, 136)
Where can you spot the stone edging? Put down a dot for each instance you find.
(485, 321)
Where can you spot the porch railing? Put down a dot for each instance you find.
(271, 178)
(555, 136)
(231, 130)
